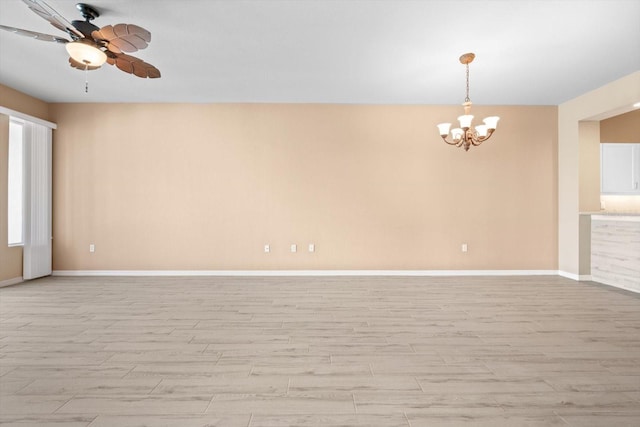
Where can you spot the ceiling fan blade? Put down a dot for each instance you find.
(48, 13)
(34, 35)
(123, 37)
(132, 65)
(80, 66)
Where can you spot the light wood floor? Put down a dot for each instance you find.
(481, 351)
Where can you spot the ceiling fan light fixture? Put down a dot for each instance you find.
(86, 53)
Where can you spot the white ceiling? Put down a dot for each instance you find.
(529, 52)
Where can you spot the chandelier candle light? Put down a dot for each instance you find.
(464, 136)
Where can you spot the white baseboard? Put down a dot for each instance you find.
(576, 277)
(10, 282)
(305, 273)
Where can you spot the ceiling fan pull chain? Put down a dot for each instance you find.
(86, 78)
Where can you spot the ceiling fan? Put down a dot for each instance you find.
(91, 46)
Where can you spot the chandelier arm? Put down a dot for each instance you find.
(479, 140)
(454, 142)
(470, 136)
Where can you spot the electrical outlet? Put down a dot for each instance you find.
(267, 249)
(92, 248)
(465, 248)
(294, 248)
(312, 247)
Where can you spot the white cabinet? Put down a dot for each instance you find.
(620, 168)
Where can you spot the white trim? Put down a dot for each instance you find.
(23, 116)
(305, 272)
(10, 282)
(576, 277)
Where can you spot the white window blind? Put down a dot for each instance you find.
(15, 188)
(37, 227)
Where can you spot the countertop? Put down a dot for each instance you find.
(613, 216)
(606, 213)
(616, 218)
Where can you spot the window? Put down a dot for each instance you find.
(16, 183)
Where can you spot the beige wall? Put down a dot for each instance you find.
(621, 128)
(11, 258)
(589, 166)
(204, 187)
(577, 166)
(18, 101)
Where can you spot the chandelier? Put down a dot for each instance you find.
(464, 136)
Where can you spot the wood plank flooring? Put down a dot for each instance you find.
(321, 351)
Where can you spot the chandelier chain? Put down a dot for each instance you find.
(467, 99)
